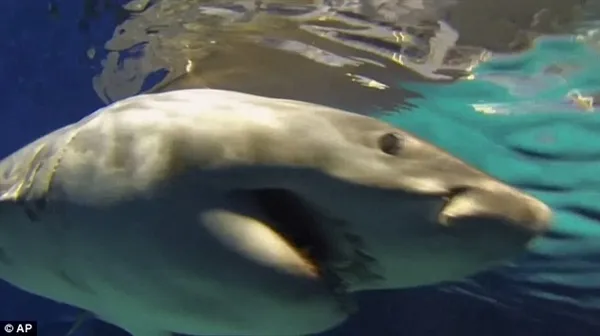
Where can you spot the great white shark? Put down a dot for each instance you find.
(210, 212)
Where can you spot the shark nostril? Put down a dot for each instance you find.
(456, 191)
(463, 201)
(453, 192)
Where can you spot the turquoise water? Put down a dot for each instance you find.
(540, 139)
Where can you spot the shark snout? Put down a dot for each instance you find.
(498, 201)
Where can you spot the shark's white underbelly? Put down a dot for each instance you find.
(151, 269)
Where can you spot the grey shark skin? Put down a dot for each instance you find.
(208, 212)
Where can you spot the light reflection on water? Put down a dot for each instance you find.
(313, 50)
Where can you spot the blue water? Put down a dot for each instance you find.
(537, 137)
(543, 141)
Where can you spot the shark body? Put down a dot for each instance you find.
(208, 212)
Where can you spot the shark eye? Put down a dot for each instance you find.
(391, 143)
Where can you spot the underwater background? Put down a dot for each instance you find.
(508, 87)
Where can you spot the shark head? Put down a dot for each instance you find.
(363, 203)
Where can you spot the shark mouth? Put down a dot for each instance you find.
(339, 255)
